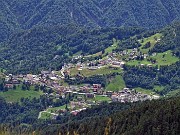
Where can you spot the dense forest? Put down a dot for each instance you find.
(149, 117)
(155, 117)
(25, 14)
(145, 77)
(170, 40)
(22, 117)
(50, 47)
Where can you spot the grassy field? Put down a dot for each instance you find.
(101, 98)
(112, 47)
(45, 115)
(158, 88)
(151, 40)
(116, 84)
(16, 95)
(165, 58)
(144, 91)
(107, 50)
(48, 115)
(94, 55)
(54, 109)
(87, 72)
(138, 62)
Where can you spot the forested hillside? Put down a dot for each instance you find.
(8, 22)
(147, 118)
(42, 34)
(49, 47)
(26, 14)
(155, 117)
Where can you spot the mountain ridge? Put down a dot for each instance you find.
(104, 13)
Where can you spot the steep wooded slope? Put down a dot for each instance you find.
(147, 118)
(8, 22)
(155, 117)
(91, 13)
(49, 47)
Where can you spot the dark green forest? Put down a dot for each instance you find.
(25, 14)
(166, 76)
(171, 38)
(155, 117)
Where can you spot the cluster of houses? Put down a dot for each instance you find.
(87, 91)
(110, 61)
(46, 78)
(134, 54)
(127, 95)
(11, 81)
(52, 80)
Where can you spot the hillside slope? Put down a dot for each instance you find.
(143, 118)
(147, 118)
(49, 47)
(91, 13)
(8, 22)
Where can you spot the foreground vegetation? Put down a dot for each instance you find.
(150, 117)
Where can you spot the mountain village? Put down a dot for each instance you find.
(86, 93)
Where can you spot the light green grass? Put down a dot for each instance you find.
(150, 39)
(48, 115)
(173, 93)
(107, 50)
(165, 58)
(149, 91)
(101, 98)
(45, 115)
(168, 58)
(158, 88)
(138, 62)
(54, 109)
(87, 72)
(112, 47)
(93, 55)
(16, 95)
(144, 91)
(116, 84)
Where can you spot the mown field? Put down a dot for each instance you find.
(116, 84)
(16, 95)
(152, 39)
(87, 72)
(165, 58)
